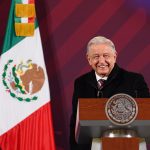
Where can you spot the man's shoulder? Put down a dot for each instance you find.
(85, 76)
(130, 74)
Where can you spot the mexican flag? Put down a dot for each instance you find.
(25, 108)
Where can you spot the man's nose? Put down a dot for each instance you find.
(101, 59)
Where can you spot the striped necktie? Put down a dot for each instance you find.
(100, 83)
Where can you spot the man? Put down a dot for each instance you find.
(105, 80)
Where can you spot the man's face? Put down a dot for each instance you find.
(101, 58)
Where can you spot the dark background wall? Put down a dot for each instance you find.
(67, 25)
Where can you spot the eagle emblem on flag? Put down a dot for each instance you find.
(23, 80)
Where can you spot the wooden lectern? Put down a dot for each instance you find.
(92, 122)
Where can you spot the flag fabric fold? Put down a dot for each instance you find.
(25, 107)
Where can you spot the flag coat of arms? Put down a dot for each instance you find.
(25, 108)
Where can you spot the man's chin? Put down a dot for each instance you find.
(102, 73)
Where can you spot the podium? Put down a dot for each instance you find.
(92, 122)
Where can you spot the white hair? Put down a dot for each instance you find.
(100, 40)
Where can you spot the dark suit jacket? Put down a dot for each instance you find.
(119, 81)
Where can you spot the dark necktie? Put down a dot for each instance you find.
(100, 83)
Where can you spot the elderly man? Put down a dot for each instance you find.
(105, 80)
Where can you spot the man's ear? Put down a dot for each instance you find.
(116, 55)
(88, 59)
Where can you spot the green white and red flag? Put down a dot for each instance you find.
(25, 107)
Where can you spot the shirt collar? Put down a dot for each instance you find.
(99, 77)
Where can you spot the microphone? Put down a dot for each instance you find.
(99, 94)
(136, 93)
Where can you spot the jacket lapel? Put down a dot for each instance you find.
(112, 75)
(91, 79)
